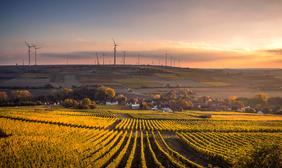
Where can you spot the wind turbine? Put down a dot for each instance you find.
(29, 47)
(103, 56)
(97, 57)
(67, 60)
(124, 54)
(115, 52)
(165, 58)
(35, 53)
(138, 62)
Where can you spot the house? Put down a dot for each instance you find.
(135, 106)
(155, 108)
(111, 103)
(260, 112)
(167, 109)
(248, 109)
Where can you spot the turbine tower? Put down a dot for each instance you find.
(35, 53)
(124, 54)
(165, 58)
(29, 46)
(97, 57)
(115, 52)
(103, 56)
(138, 59)
(67, 60)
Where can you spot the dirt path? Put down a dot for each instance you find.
(113, 126)
(176, 144)
(160, 156)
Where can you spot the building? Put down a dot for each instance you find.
(112, 103)
(135, 106)
(167, 109)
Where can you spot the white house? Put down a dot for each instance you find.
(112, 103)
(166, 109)
(260, 112)
(155, 108)
(135, 106)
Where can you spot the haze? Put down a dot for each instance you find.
(199, 33)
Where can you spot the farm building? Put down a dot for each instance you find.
(135, 106)
(167, 109)
(112, 103)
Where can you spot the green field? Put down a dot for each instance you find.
(110, 137)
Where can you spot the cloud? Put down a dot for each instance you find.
(274, 51)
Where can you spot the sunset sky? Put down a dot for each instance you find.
(198, 33)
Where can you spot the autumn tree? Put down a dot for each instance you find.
(232, 98)
(261, 97)
(121, 99)
(67, 91)
(3, 96)
(87, 103)
(156, 97)
(70, 103)
(21, 95)
(185, 104)
(110, 92)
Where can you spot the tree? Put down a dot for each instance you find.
(121, 99)
(67, 91)
(110, 92)
(86, 101)
(185, 104)
(3, 96)
(21, 95)
(261, 98)
(157, 97)
(275, 101)
(232, 98)
(261, 156)
(100, 93)
(70, 103)
(104, 93)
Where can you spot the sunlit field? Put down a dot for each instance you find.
(141, 84)
(111, 137)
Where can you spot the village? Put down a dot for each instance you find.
(174, 100)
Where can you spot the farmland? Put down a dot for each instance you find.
(109, 137)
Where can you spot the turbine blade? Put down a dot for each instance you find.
(26, 43)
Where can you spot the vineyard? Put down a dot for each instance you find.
(104, 138)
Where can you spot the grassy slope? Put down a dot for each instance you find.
(147, 79)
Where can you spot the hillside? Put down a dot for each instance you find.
(143, 80)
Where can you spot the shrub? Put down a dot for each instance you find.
(70, 103)
(93, 105)
(86, 101)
